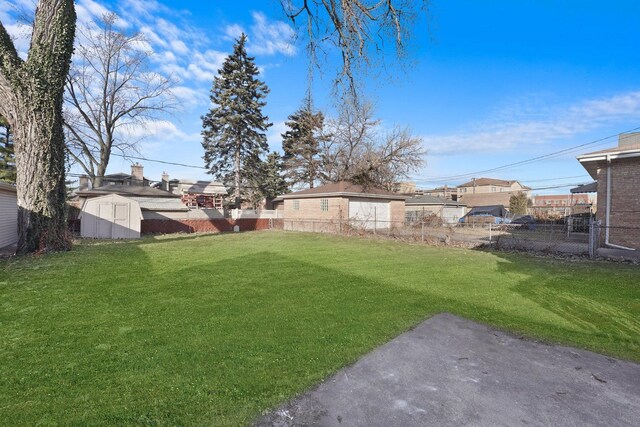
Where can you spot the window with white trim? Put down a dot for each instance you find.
(296, 205)
(324, 205)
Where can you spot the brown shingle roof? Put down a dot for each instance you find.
(344, 188)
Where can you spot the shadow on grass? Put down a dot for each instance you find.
(598, 300)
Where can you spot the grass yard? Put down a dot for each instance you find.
(214, 329)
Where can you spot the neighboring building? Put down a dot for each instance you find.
(489, 191)
(340, 201)
(196, 194)
(490, 185)
(446, 192)
(8, 215)
(136, 178)
(423, 206)
(560, 204)
(617, 171)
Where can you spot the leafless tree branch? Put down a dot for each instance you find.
(110, 91)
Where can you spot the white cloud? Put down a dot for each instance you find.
(274, 135)
(269, 37)
(190, 96)
(233, 32)
(519, 128)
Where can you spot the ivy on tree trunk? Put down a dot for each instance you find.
(32, 92)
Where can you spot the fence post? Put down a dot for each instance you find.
(489, 234)
(591, 238)
(422, 232)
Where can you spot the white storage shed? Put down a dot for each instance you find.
(111, 217)
(8, 215)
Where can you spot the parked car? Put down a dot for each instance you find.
(524, 222)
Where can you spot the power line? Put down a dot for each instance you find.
(164, 162)
(527, 161)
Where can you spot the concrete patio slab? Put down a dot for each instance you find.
(451, 371)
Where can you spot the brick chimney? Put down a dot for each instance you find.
(83, 184)
(137, 177)
(629, 140)
(165, 182)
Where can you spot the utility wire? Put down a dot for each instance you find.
(527, 161)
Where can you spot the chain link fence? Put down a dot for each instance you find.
(576, 236)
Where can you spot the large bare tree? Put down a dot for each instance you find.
(361, 152)
(31, 91)
(110, 91)
(360, 29)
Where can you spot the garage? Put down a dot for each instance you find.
(369, 213)
(111, 217)
(8, 215)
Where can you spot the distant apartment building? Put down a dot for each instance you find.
(489, 191)
(561, 204)
(446, 192)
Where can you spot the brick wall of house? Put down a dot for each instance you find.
(310, 208)
(397, 212)
(625, 202)
(168, 226)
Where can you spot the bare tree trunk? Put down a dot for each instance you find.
(31, 93)
(236, 190)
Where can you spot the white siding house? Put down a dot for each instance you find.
(8, 215)
(110, 217)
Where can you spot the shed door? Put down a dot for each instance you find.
(104, 221)
(369, 214)
(120, 228)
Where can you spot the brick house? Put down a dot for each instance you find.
(617, 171)
(344, 201)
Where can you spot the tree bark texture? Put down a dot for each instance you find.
(33, 91)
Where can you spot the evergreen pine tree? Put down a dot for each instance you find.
(7, 155)
(234, 129)
(273, 183)
(301, 145)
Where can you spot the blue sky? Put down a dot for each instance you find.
(487, 83)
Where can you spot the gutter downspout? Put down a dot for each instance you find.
(608, 210)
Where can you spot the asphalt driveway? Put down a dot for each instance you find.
(451, 371)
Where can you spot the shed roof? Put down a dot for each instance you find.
(586, 188)
(158, 204)
(344, 188)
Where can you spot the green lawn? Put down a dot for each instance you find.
(214, 329)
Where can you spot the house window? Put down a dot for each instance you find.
(296, 205)
(324, 205)
(493, 189)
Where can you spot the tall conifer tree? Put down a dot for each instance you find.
(301, 145)
(234, 129)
